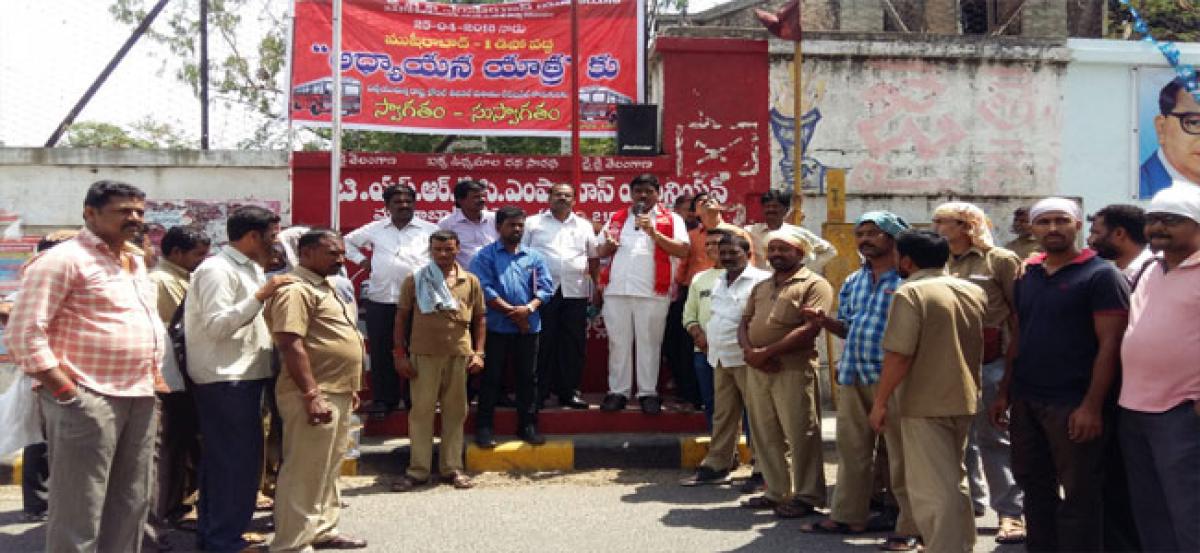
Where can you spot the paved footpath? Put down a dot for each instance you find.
(600, 511)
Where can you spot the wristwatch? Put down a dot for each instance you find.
(478, 354)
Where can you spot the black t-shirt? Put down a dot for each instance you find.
(1058, 343)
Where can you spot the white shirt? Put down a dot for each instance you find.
(566, 247)
(632, 269)
(822, 253)
(1131, 271)
(227, 338)
(472, 236)
(395, 254)
(728, 304)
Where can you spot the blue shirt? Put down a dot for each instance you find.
(517, 278)
(1055, 316)
(863, 305)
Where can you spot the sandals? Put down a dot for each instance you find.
(263, 503)
(407, 483)
(759, 502)
(459, 480)
(900, 543)
(830, 526)
(794, 509)
(1012, 531)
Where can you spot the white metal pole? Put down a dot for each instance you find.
(335, 156)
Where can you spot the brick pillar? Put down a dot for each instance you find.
(862, 15)
(1044, 18)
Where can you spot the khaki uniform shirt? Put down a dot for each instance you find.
(172, 283)
(774, 311)
(444, 332)
(312, 309)
(996, 272)
(938, 320)
(1024, 247)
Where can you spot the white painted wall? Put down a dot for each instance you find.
(47, 186)
(1098, 145)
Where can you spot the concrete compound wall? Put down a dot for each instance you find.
(916, 122)
(47, 186)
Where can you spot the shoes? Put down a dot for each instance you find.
(341, 542)
(754, 484)
(459, 480)
(651, 405)
(485, 438)
(573, 402)
(1012, 530)
(35, 517)
(530, 435)
(706, 476)
(406, 483)
(613, 402)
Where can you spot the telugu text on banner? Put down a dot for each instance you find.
(491, 69)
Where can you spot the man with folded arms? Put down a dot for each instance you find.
(779, 346)
(317, 335)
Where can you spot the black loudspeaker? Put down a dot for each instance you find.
(637, 129)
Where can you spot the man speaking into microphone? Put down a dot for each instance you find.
(643, 243)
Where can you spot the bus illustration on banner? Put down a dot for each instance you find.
(316, 97)
(599, 103)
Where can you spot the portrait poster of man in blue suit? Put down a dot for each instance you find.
(1169, 142)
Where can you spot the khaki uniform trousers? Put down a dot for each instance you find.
(934, 448)
(785, 421)
(729, 400)
(856, 464)
(307, 500)
(440, 378)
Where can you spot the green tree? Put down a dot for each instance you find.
(1174, 20)
(145, 134)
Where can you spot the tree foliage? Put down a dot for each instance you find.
(144, 134)
(1174, 20)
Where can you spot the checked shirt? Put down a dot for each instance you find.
(863, 306)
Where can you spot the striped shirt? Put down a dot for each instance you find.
(863, 306)
(82, 312)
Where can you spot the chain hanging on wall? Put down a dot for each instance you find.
(1185, 71)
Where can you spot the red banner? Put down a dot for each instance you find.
(523, 181)
(492, 69)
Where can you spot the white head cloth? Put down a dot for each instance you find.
(1050, 205)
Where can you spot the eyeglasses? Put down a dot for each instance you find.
(1189, 121)
(941, 220)
(1168, 219)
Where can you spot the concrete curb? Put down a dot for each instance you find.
(560, 453)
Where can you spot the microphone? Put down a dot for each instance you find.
(640, 208)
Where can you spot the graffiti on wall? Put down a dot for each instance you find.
(783, 128)
(922, 126)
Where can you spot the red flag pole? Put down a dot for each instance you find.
(576, 158)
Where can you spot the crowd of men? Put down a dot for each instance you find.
(1037, 379)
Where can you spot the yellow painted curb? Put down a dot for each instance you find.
(522, 457)
(693, 450)
(349, 467)
(17, 464)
